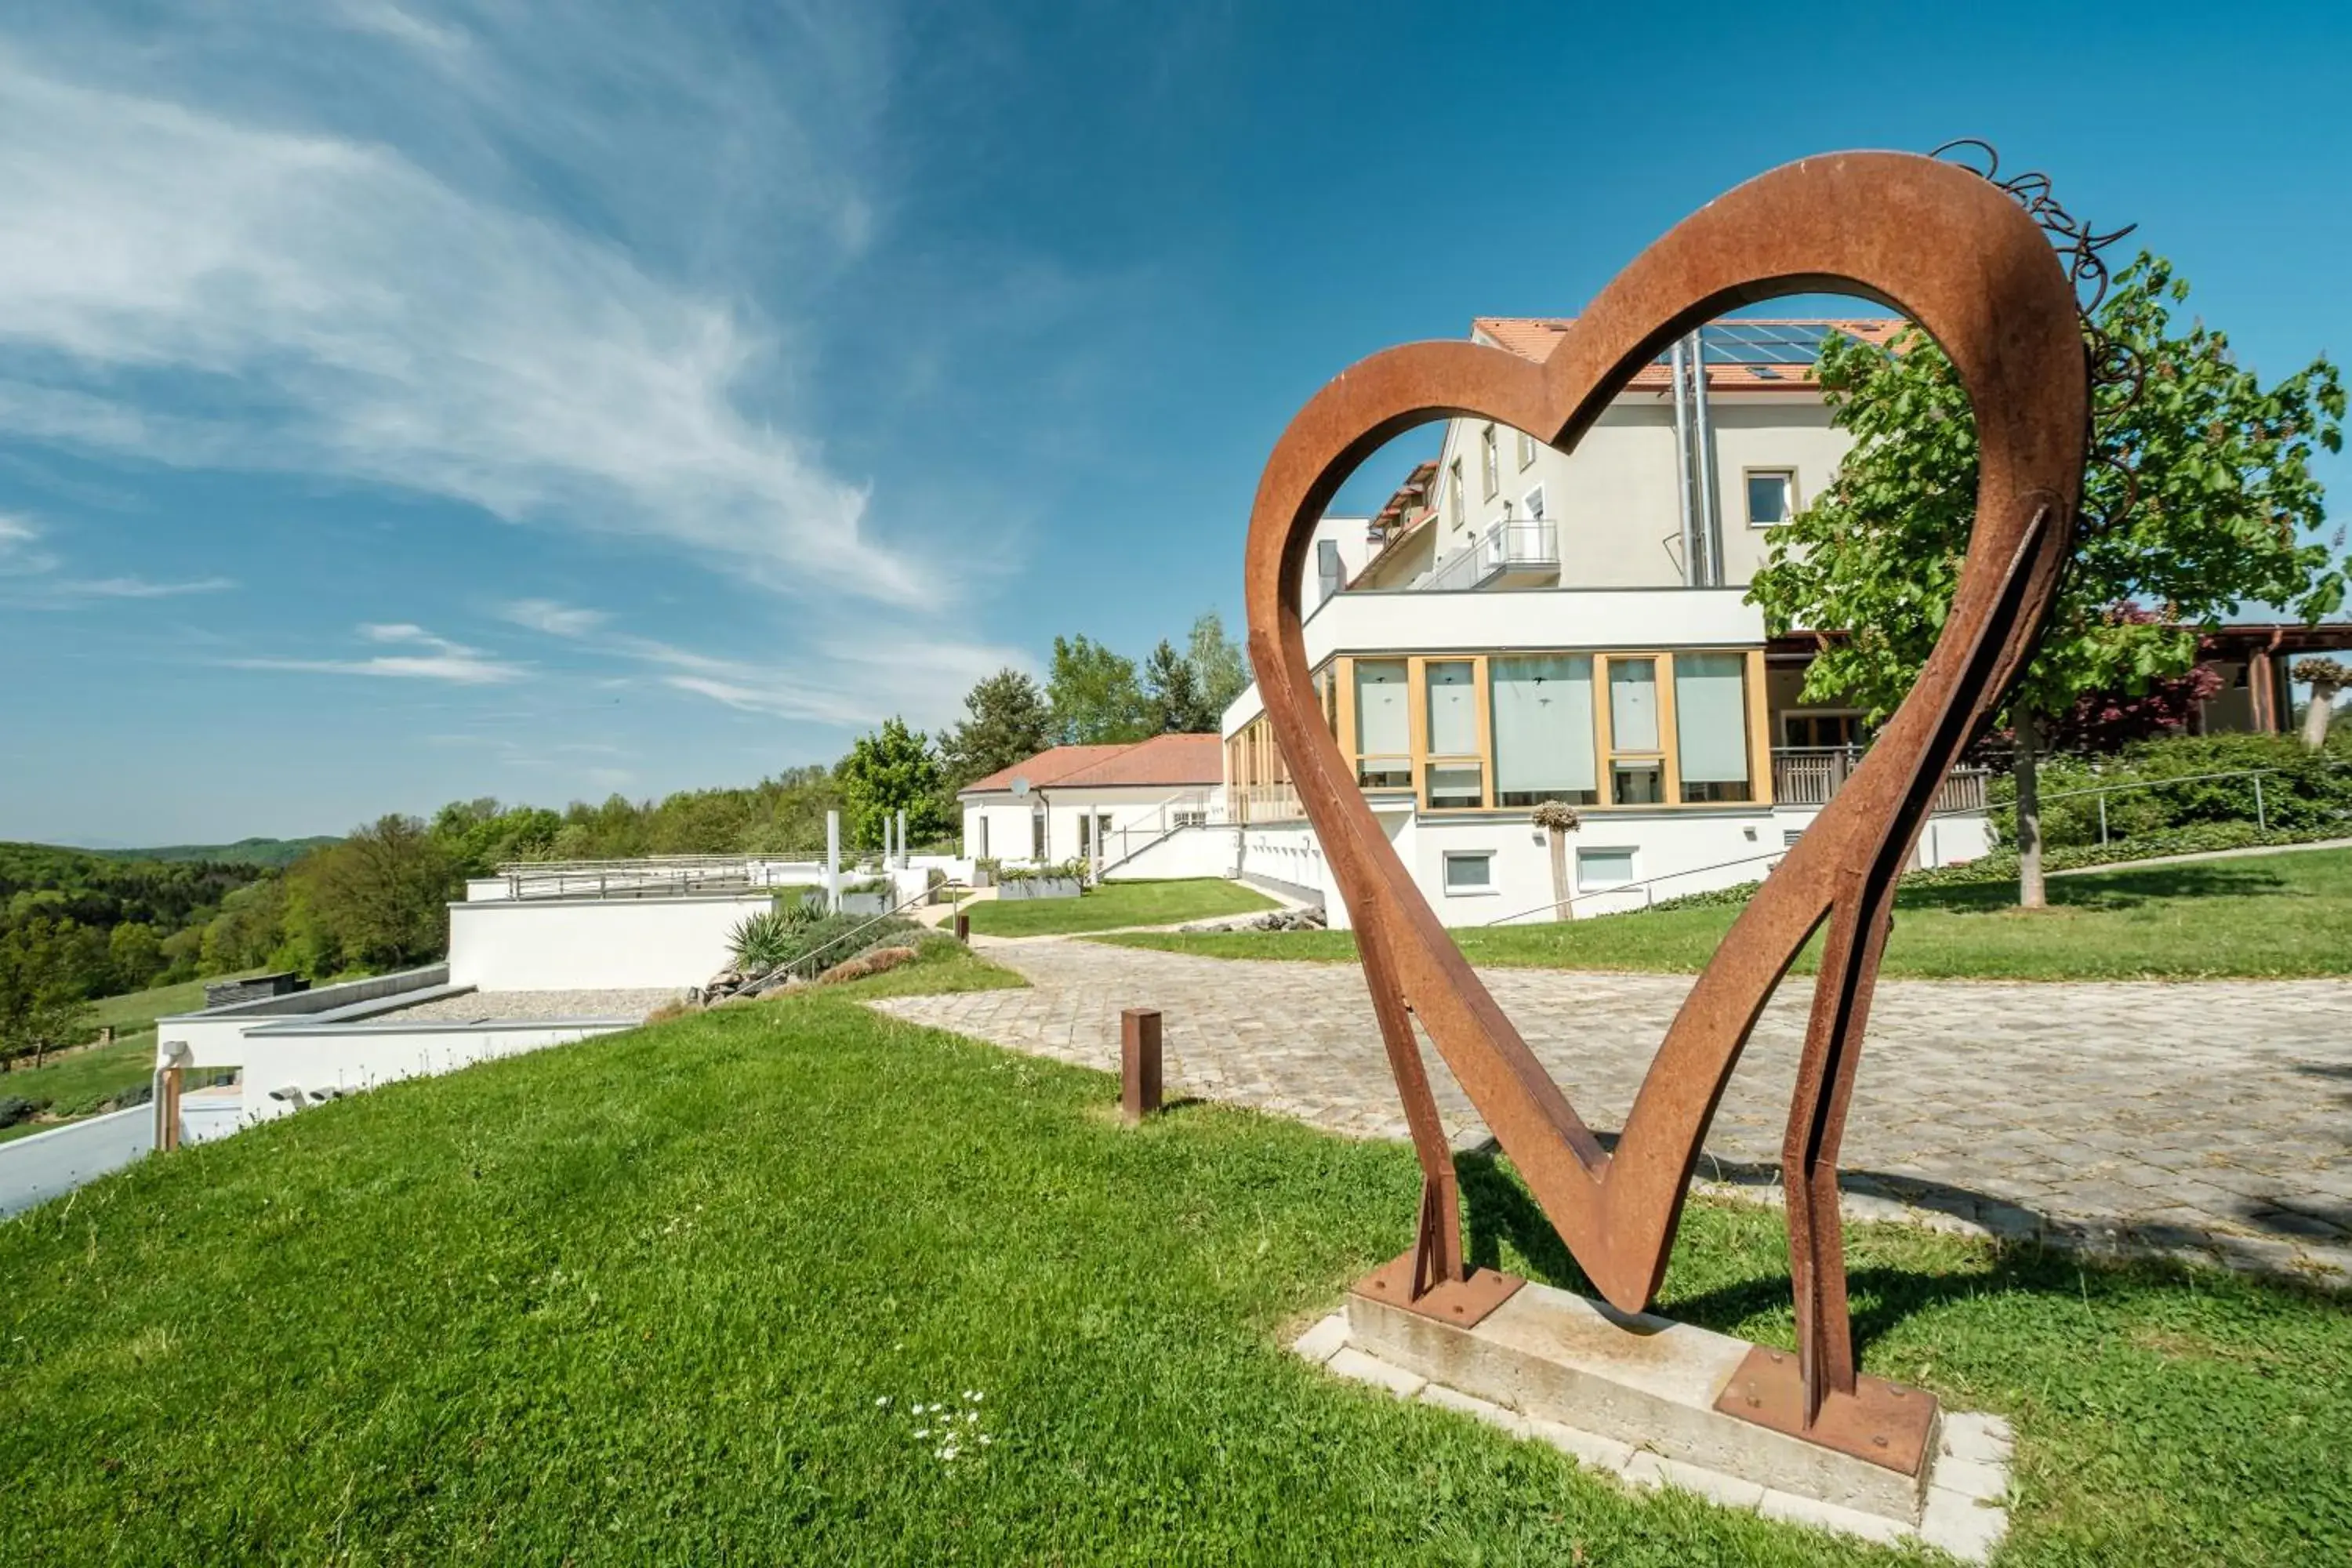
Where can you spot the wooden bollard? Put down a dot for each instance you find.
(963, 928)
(1139, 1063)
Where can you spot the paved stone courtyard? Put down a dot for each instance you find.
(2215, 1117)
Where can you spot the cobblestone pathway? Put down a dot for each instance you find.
(2215, 1117)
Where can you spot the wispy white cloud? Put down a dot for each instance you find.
(439, 659)
(556, 620)
(142, 588)
(843, 681)
(20, 551)
(187, 288)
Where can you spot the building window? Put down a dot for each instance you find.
(1597, 869)
(1711, 726)
(1772, 497)
(1328, 569)
(1490, 460)
(1638, 779)
(1467, 872)
(1542, 717)
(1844, 730)
(1383, 725)
(1455, 500)
(980, 838)
(1535, 503)
(1455, 773)
(1526, 450)
(1037, 833)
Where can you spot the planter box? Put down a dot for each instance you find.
(1038, 888)
(867, 904)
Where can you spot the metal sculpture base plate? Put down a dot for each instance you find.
(1665, 1387)
(1463, 1303)
(1887, 1424)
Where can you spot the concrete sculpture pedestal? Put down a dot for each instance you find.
(1651, 1400)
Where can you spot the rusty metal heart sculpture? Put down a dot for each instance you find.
(1953, 251)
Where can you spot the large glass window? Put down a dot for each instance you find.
(1469, 871)
(1543, 729)
(1453, 695)
(1633, 704)
(1711, 725)
(1453, 708)
(1383, 725)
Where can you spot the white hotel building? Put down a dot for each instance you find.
(1519, 625)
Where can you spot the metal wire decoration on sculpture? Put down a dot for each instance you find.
(1966, 258)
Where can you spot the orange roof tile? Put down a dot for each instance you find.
(1533, 337)
(1178, 760)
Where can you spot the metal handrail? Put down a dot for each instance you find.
(891, 913)
(2261, 812)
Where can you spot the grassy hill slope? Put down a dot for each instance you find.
(272, 852)
(794, 1282)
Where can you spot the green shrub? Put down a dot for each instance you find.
(1058, 871)
(2304, 793)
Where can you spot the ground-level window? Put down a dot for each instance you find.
(1772, 497)
(1037, 833)
(1469, 872)
(1598, 868)
(1543, 728)
(1711, 725)
(1383, 725)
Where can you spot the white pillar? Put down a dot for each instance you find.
(833, 862)
(904, 857)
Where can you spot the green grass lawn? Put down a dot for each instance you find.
(1119, 904)
(675, 1295)
(2264, 917)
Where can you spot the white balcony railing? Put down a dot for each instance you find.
(1515, 544)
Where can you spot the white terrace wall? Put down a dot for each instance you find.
(350, 1057)
(583, 944)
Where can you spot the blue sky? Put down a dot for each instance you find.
(402, 401)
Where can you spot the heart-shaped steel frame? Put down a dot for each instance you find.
(1947, 247)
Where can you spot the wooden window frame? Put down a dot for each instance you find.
(1786, 470)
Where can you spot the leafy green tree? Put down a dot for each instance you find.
(134, 955)
(378, 900)
(1007, 720)
(480, 835)
(43, 1000)
(1095, 696)
(889, 771)
(1219, 670)
(2227, 509)
(1174, 694)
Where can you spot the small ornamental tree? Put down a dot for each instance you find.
(2221, 507)
(2326, 677)
(890, 770)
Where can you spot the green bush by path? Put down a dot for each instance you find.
(2305, 793)
(672, 1296)
(2268, 917)
(1119, 903)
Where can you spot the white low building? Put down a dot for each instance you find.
(1533, 625)
(1150, 808)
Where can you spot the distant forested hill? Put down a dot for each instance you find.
(278, 852)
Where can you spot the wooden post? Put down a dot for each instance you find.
(963, 927)
(1139, 1063)
(168, 1116)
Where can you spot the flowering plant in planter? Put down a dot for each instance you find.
(1558, 819)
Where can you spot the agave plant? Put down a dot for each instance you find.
(764, 941)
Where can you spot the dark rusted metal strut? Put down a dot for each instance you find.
(1971, 265)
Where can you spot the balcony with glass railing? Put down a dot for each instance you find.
(1512, 554)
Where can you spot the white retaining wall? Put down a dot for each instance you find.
(347, 1058)
(590, 944)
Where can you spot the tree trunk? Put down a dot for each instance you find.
(2316, 716)
(1559, 874)
(2030, 894)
